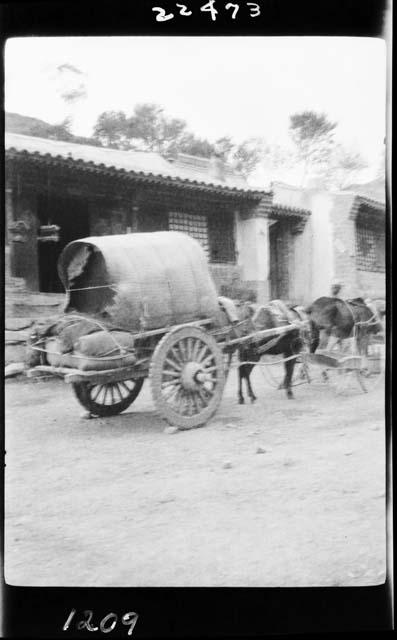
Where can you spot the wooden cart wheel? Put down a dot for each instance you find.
(107, 399)
(187, 377)
(372, 372)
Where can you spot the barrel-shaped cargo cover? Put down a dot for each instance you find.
(139, 281)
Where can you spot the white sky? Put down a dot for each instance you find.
(237, 86)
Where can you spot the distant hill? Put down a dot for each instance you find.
(15, 123)
(28, 126)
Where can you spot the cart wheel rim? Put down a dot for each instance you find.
(107, 399)
(187, 377)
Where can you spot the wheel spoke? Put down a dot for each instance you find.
(125, 386)
(193, 408)
(204, 395)
(170, 393)
(207, 359)
(187, 407)
(174, 365)
(111, 389)
(195, 397)
(195, 348)
(178, 401)
(173, 374)
(211, 369)
(182, 350)
(201, 353)
(190, 345)
(169, 383)
(117, 388)
(99, 389)
(105, 393)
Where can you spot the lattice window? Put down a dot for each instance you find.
(221, 237)
(370, 247)
(194, 224)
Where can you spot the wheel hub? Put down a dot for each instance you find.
(193, 376)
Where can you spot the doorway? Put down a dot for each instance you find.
(72, 216)
(279, 253)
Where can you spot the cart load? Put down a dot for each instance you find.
(138, 281)
(144, 306)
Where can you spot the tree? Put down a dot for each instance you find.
(313, 136)
(196, 146)
(247, 155)
(344, 166)
(62, 131)
(224, 147)
(111, 129)
(150, 130)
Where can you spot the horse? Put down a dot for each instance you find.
(287, 344)
(341, 319)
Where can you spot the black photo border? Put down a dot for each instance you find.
(228, 613)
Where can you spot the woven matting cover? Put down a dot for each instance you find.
(139, 281)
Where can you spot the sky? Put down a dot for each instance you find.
(238, 86)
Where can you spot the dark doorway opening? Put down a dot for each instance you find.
(71, 215)
(279, 241)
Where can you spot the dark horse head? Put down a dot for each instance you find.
(342, 319)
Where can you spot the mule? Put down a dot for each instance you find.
(287, 345)
(333, 320)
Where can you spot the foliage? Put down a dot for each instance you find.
(343, 167)
(150, 129)
(313, 136)
(247, 155)
(110, 129)
(195, 146)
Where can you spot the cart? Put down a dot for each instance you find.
(345, 369)
(157, 288)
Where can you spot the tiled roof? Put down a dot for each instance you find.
(135, 163)
(279, 209)
(374, 207)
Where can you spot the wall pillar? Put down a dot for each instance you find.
(25, 254)
(253, 254)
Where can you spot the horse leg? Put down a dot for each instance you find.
(249, 387)
(241, 375)
(314, 337)
(289, 371)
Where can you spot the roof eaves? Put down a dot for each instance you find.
(287, 210)
(179, 181)
(358, 200)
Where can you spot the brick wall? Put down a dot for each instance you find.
(226, 276)
(344, 244)
(357, 282)
(371, 284)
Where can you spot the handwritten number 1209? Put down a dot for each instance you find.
(162, 16)
(106, 625)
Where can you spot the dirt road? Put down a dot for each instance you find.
(279, 493)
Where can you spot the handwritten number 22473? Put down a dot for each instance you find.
(162, 16)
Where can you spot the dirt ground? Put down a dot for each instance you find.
(278, 493)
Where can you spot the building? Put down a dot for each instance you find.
(59, 191)
(344, 239)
